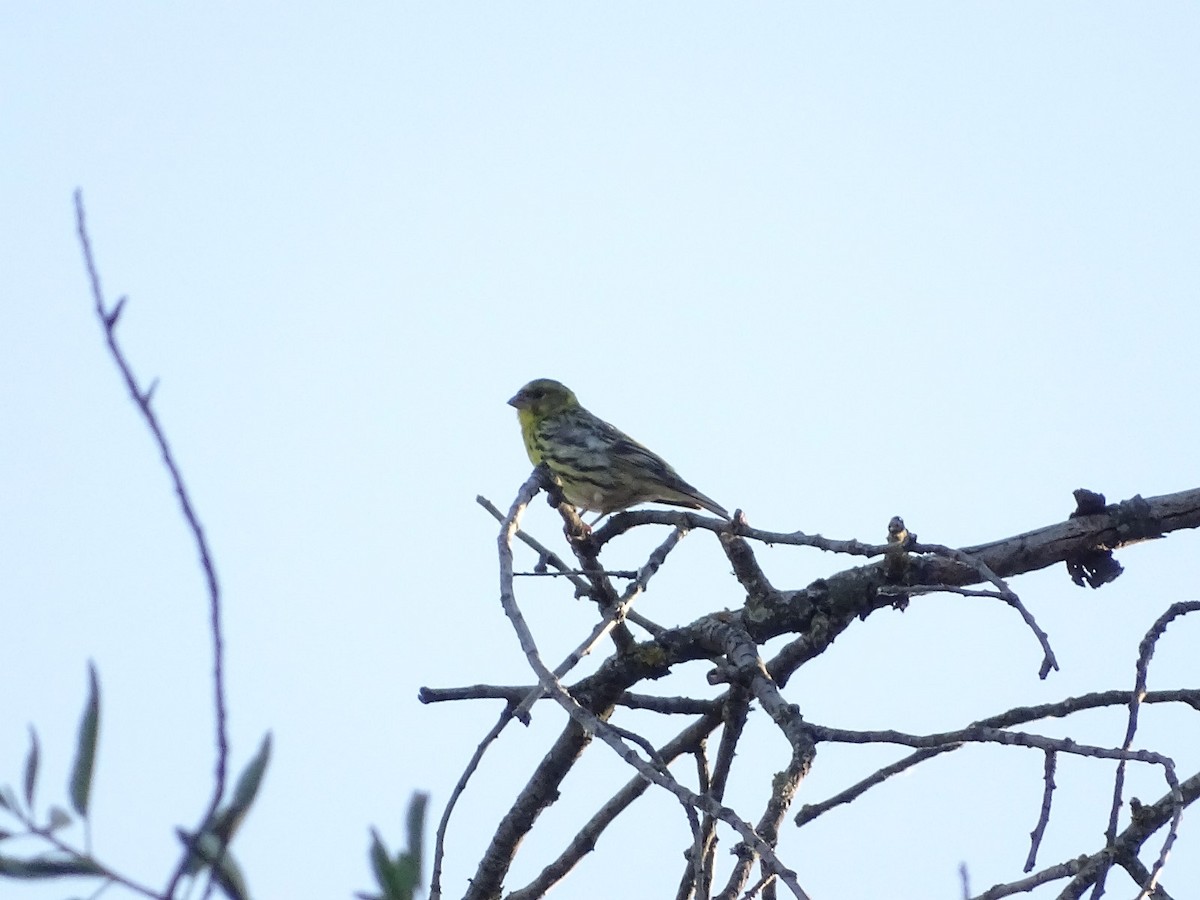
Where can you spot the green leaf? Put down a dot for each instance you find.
(31, 767)
(228, 876)
(85, 751)
(59, 818)
(209, 849)
(200, 853)
(48, 866)
(400, 878)
(227, 820)
(381, 865)
(416, 827)
(250, 779)
(407, 873)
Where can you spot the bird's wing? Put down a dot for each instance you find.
(638, 458)
(644, 463)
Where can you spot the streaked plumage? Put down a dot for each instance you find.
(597, 466)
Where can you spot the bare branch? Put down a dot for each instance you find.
(736, 711)
(1117, 525)
(1024, 885)
(1005, 592)
(783, 792)
(612, 616)
(976, 734)
(816, 614)
(1084, 870)
(585, 841)
(545, 556)
(595, 725)
(517, 692)
(1035, 836)
(439, 847)
(1145, 652)
(1016, 716)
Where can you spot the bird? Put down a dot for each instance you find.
(597, 466)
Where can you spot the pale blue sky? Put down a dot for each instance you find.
(836, 263)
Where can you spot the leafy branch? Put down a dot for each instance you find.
(206, 847)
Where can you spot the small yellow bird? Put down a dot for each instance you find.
(597, 466)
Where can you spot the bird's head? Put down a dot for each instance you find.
(544, 397)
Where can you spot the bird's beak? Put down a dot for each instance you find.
(516, 401)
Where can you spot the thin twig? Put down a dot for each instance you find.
(810, 811)
(976, 734)
(108, 320)
(1083, 869)
(742, 654)
(439, 845)
(693, 877)
(515, 693)
(612, 616)
(1006, 594)
(610, 573)
(1038, 547)
(545, 555)
(1019, 715)
(735, 712)
(593, 724)
(1035, 836)
(1066, 869)
(783, 792)
(102, 871)
(755, 889)
(909, 590)
(1142, 669)
(661, 765)
(585, 840)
